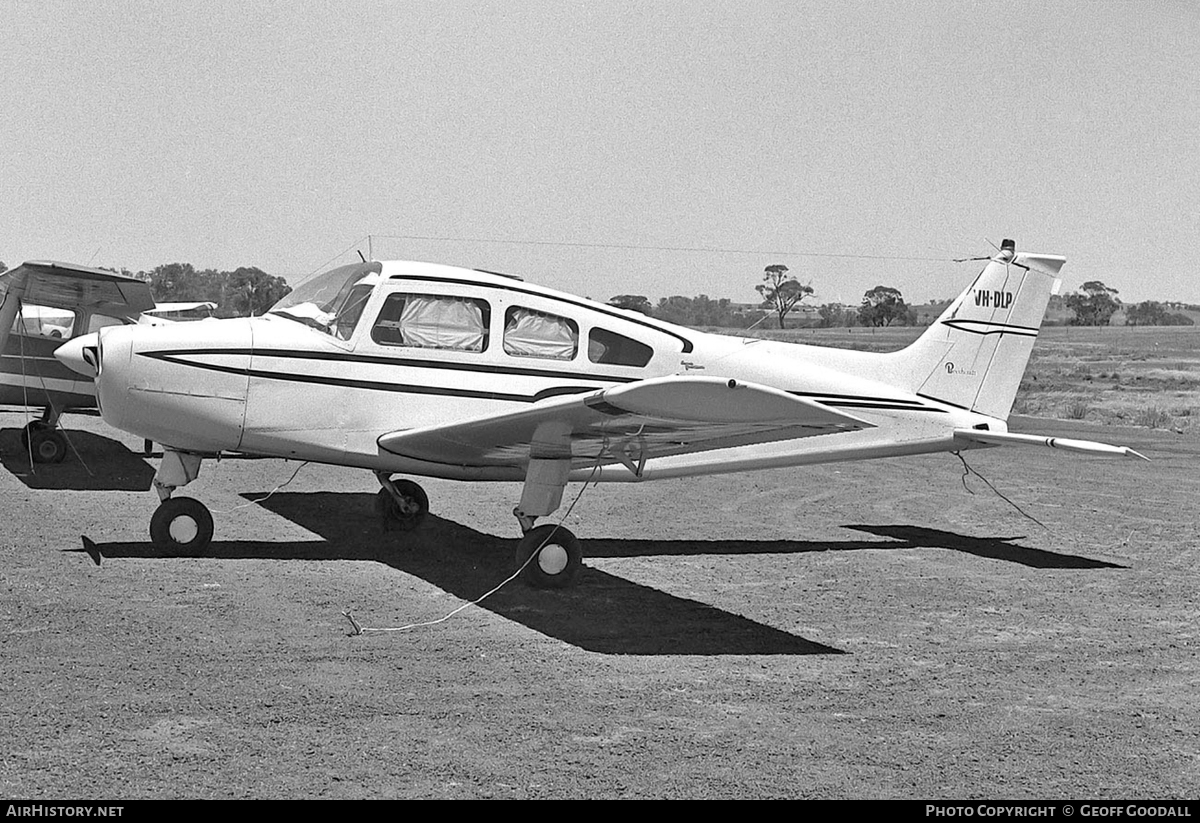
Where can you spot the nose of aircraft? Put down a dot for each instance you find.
(81, 354)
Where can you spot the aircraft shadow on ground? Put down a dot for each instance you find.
(93, 463)
(903, 537)
(603, 613)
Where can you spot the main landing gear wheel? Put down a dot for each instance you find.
(46, 443)
(556, 557)
(181, 526)
(404, 510)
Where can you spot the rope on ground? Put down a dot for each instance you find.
(258, 500)
(360, 629)
(968, 470)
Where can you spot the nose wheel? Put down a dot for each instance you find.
(554, 557)
(181, 526)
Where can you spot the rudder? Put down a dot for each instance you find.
(975, 354)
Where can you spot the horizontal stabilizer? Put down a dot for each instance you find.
(1008, 439)
(626, 424)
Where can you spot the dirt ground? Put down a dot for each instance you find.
(871, 630)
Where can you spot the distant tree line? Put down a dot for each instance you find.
(700, 310)
(1094, 304)
(249, 290)
(244, 291)
(781, 294)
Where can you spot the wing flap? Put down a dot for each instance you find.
(628, 424)
(1010, 439)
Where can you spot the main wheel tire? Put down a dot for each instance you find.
(47, 445)
(181, 526)
(551, 557)
(29, 428)
(404, 514)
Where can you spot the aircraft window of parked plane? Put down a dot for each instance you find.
(44, 321)
(100, 321)
(529, 333)
(351, 310)
(431, 321)
(616, 349)
(321, 302)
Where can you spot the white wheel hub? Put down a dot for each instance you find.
(552, 559)
(183, 529)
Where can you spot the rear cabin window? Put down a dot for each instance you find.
(529, 333)
(433, 321)
(616, 349)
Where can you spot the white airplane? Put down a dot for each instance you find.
(180, 312)
(41, 305)
(429, 370)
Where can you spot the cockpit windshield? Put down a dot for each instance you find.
(331, 302)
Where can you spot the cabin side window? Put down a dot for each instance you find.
(44, 321)
(529, 333)
(100, 321)
(616, 349)
(433, 321)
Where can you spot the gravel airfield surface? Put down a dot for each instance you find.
(891, 629)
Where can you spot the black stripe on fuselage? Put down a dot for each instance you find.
(410, 362)
(944, 402)
(372, 385)
(855, 401)
(1000, 328)
(177, 356)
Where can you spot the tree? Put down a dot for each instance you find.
(632, 302)
(1153, 313)
(835, 314)
(883, 306)
(241, 292)
(251, 291)
(781, 293)
(1093, 305)
(3, 268)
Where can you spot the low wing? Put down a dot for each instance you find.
(67, 286)
(627, 424)
(1008, 439)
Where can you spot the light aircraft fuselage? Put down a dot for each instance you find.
(429, 370)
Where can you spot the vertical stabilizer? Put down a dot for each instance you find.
(975, 354)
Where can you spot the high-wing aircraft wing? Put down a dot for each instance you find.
(68, 286)
(627, 424)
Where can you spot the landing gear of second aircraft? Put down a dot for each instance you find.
(45, 442)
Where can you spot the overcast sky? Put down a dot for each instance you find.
(277, 134)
